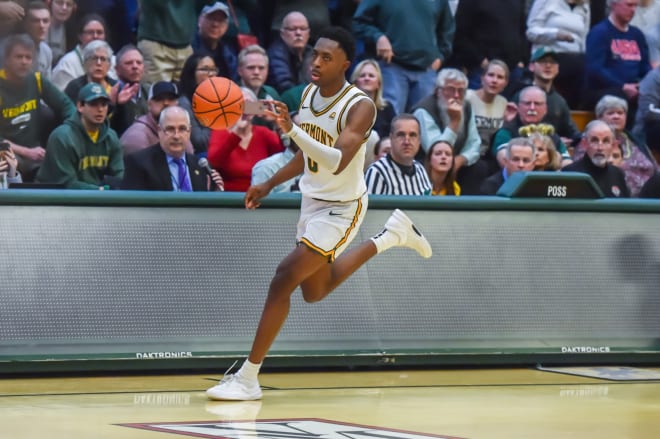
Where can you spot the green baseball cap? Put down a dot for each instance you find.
(92, 92)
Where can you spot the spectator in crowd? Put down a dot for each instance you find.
(544, 67)
(129, 94)
(398, 173)
(235, 151)
(599, 138)
(61, 12)
(488, 30)
(97, 57)
(561, 27)
(445, 115)
(411, 39)
(638, 161)
(36, 24)
(8, 166)
(547, 158)
(290, 55)
(253, 71)
(647, 19)
(121, 15)
(144, 131)
(264, 169)
(196, 69)
(21, 94)
(213, 23)
(616, 158)
(647, 120)
(440, 168)
(165, 30)
(519, 156)
(166, 166)
(367, 77)
(617, 57)
(317, 13)
(70, 66)
(84, 152)
(490, 108)
(532, 108)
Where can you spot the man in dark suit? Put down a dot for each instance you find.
(166, 166)
(519, 157)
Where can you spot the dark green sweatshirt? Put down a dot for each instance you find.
(73, 159)
(19, 118)
(419, 30)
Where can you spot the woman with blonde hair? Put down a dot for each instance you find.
(367, 77)
(547, 157)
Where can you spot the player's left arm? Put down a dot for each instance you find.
(359, 121)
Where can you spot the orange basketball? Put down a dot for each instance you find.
(217, 103)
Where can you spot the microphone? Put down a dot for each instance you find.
(203, 163)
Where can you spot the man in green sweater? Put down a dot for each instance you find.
(29, 105)
(84, 152)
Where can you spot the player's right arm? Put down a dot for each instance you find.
(255, 193)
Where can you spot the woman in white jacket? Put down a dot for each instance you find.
(562, 26)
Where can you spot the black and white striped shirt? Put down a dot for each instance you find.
(387, 177)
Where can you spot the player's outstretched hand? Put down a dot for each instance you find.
(254, 195)
(278, 112)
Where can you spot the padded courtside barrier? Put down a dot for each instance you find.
(97, 281)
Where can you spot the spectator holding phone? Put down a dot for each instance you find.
(8, 166)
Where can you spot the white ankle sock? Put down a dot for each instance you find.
(249, 370)
(385, 240)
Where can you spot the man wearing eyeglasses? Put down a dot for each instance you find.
(445, 116)
(166, 165)
(84, 152)
(290, 55)
(144, 131)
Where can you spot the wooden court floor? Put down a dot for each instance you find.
(475, 404)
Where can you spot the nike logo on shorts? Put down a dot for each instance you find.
(331, 213)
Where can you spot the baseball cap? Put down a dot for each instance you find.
(91, 92)
(162, 89)
(217, 6)
(542, 52)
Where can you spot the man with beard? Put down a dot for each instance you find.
(609, 178)
(445, 116)
(84, 152)
(532, 109)
(398, 173)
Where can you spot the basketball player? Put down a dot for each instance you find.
(335, 121)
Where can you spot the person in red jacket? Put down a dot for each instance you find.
(234, 151)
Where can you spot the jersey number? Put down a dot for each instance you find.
(312, 165)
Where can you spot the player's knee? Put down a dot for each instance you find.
(312, 295)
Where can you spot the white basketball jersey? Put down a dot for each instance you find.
(324, 126)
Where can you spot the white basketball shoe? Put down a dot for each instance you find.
(409, 236)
